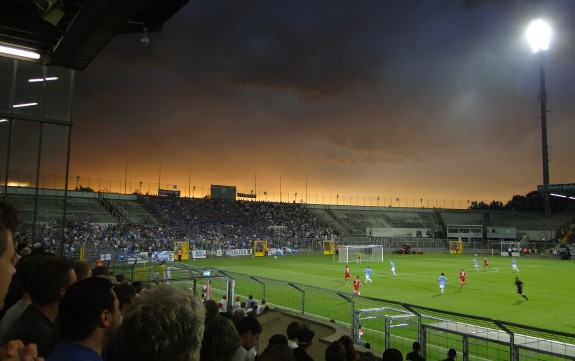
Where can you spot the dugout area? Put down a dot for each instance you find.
(260, 248)
(182, 251)
(456, 247)
(328, 247)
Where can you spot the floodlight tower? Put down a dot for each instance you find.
(539, 36)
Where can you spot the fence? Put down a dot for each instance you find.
(384, 323)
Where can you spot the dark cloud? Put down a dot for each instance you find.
(322, 88)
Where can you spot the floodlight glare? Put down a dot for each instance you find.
(539, 35)
(37, 80)
(19, 52)
(24, 105)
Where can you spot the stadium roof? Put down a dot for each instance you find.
(70, 33)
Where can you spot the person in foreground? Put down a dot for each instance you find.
(14, 349)
(89, 315)
(163, 324)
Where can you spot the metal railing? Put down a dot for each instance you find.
(384, 323)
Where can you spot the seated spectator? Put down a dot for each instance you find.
(291, 332)
(414, 354)
(126, 295)
(121, 279)
(359, 339)
(237, 305)
(138, 287)
(212, 309)
(250, 302)
(238, 315)
(392, 354)
(262, 306)
(221, 340)
(277, 352)
(451, 354)
(367, 356)
(350, 353)
(224, 303)
(164, 324)
(101, 271)
(253, 311)
(304, 341)
(250, 330)
(336, 351)
(277, 339)
(89, 315)
(82, 269)
(47, 283)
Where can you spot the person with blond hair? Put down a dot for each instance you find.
(164, 324)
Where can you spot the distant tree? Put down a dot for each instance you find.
(81, 188)
(530, 202)
(496, 205)
(478, 205)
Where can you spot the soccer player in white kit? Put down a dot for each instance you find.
(367, 272)
(514, 265)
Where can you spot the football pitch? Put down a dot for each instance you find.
(487, 293)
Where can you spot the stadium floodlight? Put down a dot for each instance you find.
(539, 36)
(8, 50)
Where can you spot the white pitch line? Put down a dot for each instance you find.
(284, 271)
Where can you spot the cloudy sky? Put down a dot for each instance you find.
(409, 99)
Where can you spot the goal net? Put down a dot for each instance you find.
(371, 253)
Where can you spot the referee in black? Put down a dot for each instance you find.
(519, 286)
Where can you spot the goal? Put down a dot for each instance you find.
(370, 253)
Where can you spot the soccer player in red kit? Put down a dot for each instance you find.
(356, 284)
(347, 274)
(486, 264)
(462, 276)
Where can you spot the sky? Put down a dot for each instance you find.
(399, 99)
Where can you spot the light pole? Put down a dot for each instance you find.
(193, 191)
(539, 35)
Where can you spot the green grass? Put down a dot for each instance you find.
(492, 294)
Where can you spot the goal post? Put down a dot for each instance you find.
(371, 253)
(511, 248)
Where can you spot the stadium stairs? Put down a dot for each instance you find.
(275, 321)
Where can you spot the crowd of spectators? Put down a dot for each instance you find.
(207, 224)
